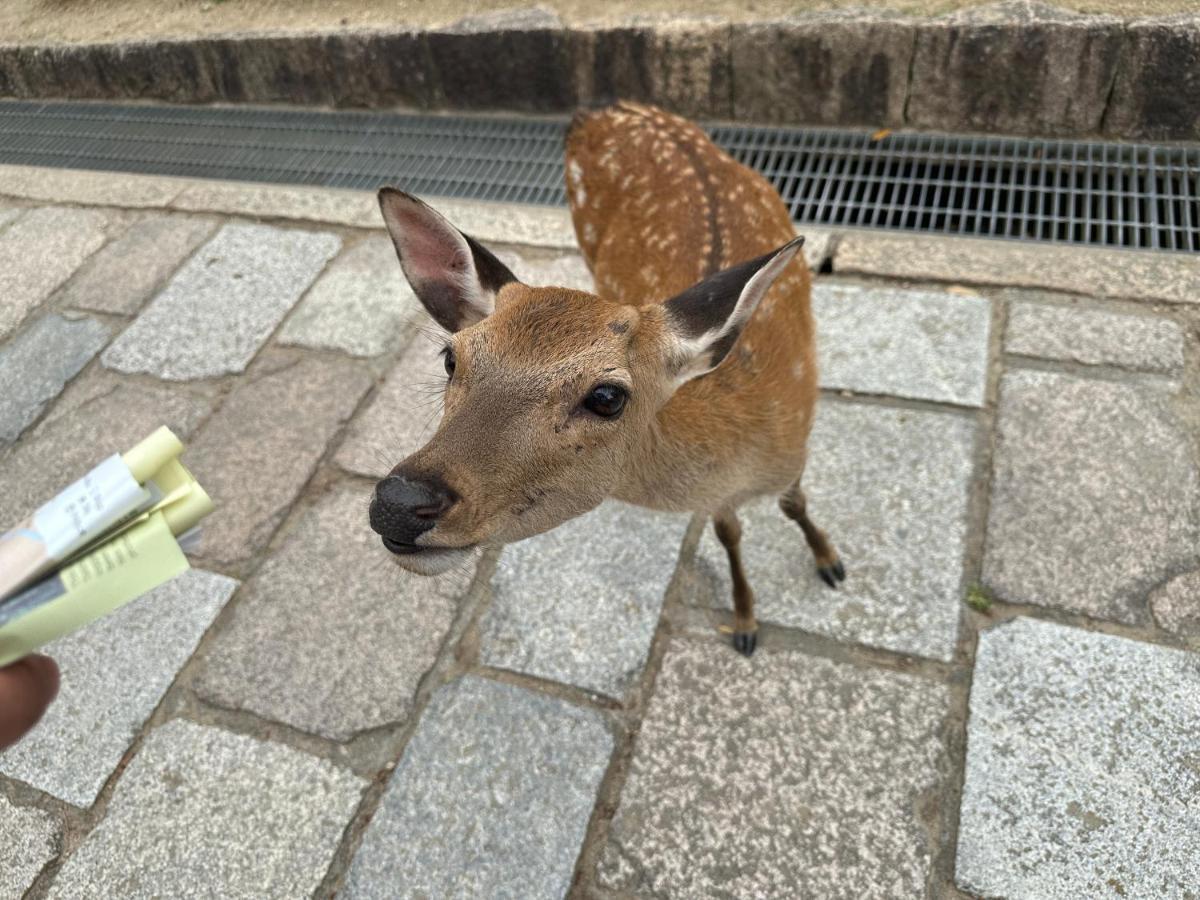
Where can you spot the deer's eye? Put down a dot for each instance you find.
(448, 358)
(606, 400)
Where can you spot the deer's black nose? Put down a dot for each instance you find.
(404, 508)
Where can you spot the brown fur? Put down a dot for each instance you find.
(663, 208)
(657, 208)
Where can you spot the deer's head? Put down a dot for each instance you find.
(551, 394)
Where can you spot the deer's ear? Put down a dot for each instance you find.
(704, 321)
(454, 276)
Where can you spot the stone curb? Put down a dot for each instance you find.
(1069, 268)
(1015, 67)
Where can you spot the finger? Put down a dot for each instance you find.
(26, 689)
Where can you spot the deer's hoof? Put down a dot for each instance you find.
(833, 574)
(744, 642)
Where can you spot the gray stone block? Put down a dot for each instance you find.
(402, 416)
(217, 311)
(847, 67)
(1157, 91)
(85, 187)
(30, 839)
(1081, 517)
(35, 366)
(1016, 67)
(783, 775)
(114, 673)
(122, 276)
(918, 344)
(1093, 271)
(890, 488)
(110, 417)
(580, 604)
(1176, 604)
(331, 636)
(362, 305)
(491, 798)
(357, 209)
(263, 445)
(203, 811)
(1094, 337)
(38, 252)
(8, 215)
(511, 59)
(507, 223)
(546, 270)
(678, 62)
(1081, 762)
(379, 69)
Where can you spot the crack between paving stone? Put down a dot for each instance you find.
(908, 84)
(638, 698)
(1122, 47)
(945, 829)
(446, 668)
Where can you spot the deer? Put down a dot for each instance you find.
(687, 382)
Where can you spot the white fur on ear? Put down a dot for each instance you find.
(706, 319)
(453, 276)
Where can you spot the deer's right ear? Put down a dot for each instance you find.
(454, 276)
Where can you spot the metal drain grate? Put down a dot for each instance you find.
(1117, 195)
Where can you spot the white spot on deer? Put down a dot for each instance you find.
(589, 233)
(798, 370)
(575, 176)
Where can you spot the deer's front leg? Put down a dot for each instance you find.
(745, 628)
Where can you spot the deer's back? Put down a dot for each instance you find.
(657, 207)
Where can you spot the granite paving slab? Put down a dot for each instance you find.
(781, 775)
(223, 304)
(122, 276)
(111, 417)
(264, 443)
(362, 305)
(38, 362)
(491, 798)
(114, 673)
(8, 215)
(1176, 604)
(917, 344)
(30, 839)
(544, 270)
(890, 489)
(1094, 271)
(1094, 337)
(580, 604)
(1081, 517)
(331, 636)
(202, 812)
(38, 252)
(54, 184)
(1082, 767)
(402, 416)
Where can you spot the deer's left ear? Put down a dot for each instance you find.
(704, 321)
(454, 276)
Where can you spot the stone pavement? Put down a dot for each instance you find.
(296, 716)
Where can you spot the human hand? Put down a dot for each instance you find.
(26, 689)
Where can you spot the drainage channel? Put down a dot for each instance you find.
(1136, 196)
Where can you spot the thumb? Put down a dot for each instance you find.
(26, 689)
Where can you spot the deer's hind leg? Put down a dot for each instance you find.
(745, 628)
(795, 507)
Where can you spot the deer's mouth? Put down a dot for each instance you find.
(427, 560)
